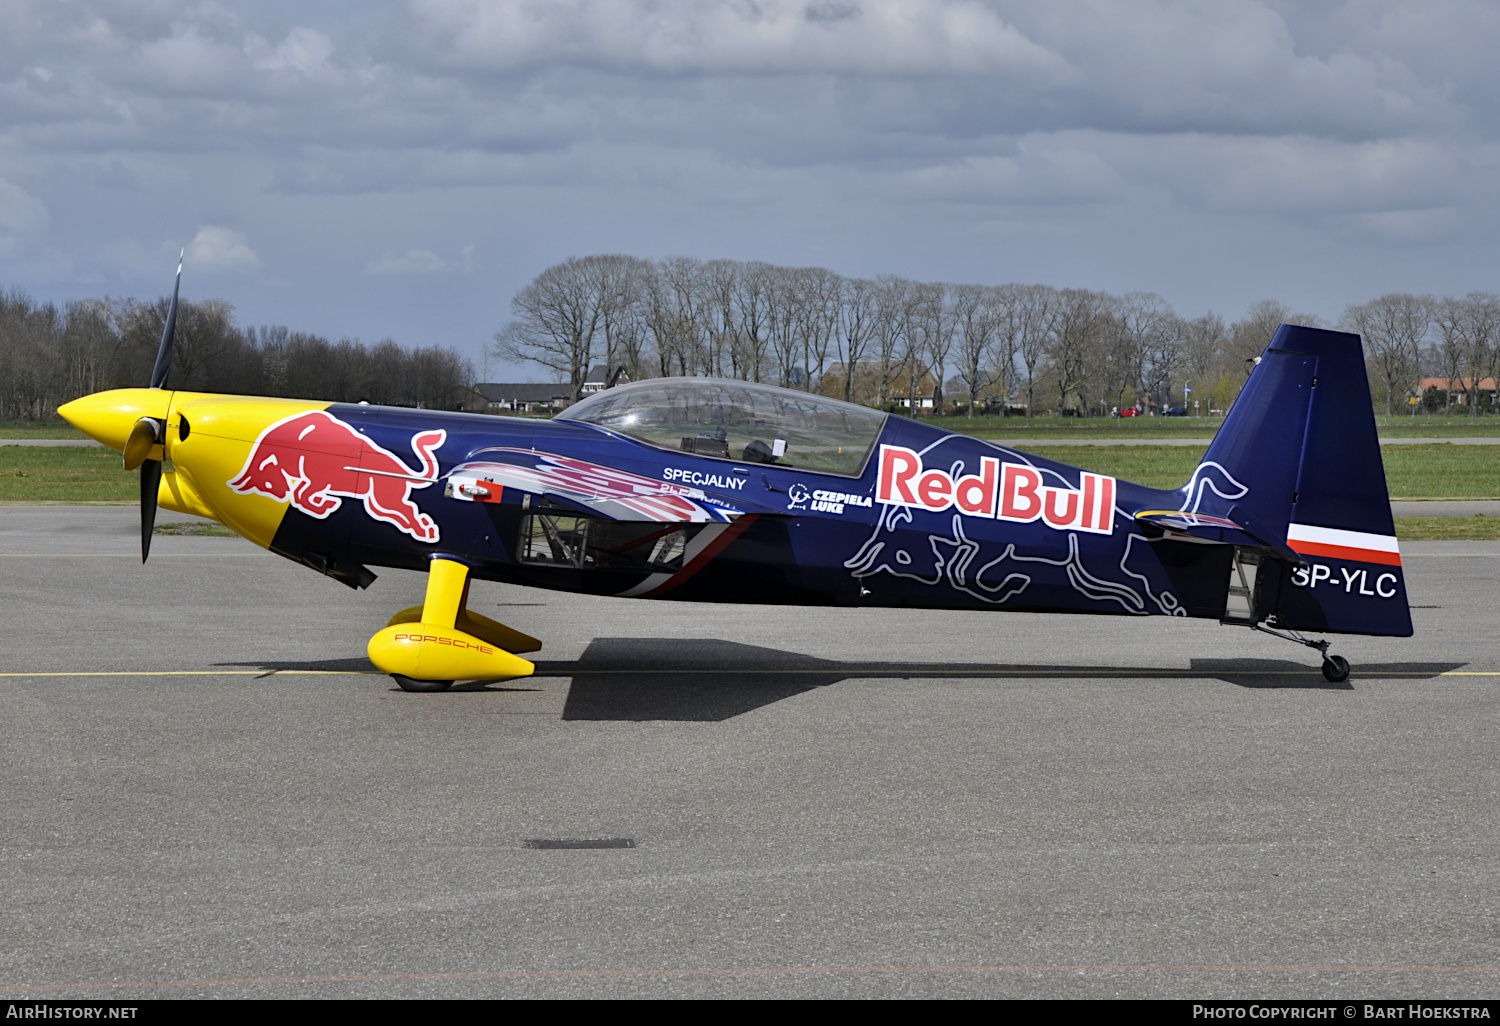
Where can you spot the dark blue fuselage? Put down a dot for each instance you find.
(805, 537)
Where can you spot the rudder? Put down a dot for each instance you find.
(1297, 464)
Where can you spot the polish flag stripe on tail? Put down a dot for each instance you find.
(1335, 544)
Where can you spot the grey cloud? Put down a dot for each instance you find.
(1049, 169)
(887, 37)
(23, 217)
(216, 248)
(772, 128)
(920, 79)
(1298, 175)
(831, 10)
(413, 261)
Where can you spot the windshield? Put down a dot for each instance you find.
(738, 420)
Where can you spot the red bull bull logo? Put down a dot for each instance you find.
(314, 461)
(1001, 491)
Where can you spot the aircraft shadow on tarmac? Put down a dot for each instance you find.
(707, 679)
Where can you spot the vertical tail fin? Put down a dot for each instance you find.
(1297, 464)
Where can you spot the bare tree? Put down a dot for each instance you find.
(89, 344)
(725, 318)
(1038, 309)
(670, 335)
(1077, 330)
(914, 344)
(934, 318)
(974, 313)
(628, 334)
(784, 321)
(1121, 368)
(1393, 328)
(892, 299)
(1451, 319)
(820, 292)
(1203, 342)
(683, 278)
(1007, 305)
(1249, 337)
(618, 280)
(858, 326)
(752, 312)
(557, 322)
(1154, 340)
(1482, 333)
(720, 283)
(30, 338)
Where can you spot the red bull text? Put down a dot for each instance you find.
(1001, 491)
(310, 459)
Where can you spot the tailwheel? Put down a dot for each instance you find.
(1335, 669)
(412, 684)
(427, 648)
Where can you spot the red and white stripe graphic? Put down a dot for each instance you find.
(705, 545)
(589, 483)
(1336, 544)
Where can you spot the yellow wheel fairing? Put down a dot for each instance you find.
(222, 429)
(425, 651)
(480, 626)
(437, 647)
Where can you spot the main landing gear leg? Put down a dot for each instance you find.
(1335, 667)
(428, 647)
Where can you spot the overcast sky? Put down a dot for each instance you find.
(401, 168)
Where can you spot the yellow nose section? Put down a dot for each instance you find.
(108, 417)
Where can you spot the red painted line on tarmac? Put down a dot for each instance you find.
(865, 970)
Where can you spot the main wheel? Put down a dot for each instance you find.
(412, 684)
(1336, 669)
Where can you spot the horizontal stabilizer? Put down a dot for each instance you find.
(1202, 527)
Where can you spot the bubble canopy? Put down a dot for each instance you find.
(738, 420)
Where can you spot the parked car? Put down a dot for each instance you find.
(1176, 411)
(1132, 412)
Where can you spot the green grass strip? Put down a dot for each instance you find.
(58, 428)
(194, 530)
(64, 474)
(1475, 528)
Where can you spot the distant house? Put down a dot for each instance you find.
(598, 380)
(1459, 387)
(521, 397)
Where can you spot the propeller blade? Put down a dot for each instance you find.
(150, 482)
(143, 436)
(164, 353)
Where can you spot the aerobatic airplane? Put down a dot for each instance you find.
(710, 490)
